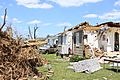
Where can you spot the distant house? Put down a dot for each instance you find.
(52, 40)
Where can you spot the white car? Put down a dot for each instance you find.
(47, 49)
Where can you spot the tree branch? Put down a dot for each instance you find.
(30, 32)
(4, 22)
(35, 29)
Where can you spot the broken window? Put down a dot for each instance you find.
(74, 38)
(48, 41)
(85, 36)
(60, 40)
(77, 37)
(80, 36)
(116, 41)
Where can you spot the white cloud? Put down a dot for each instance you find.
(15, 20)
(34, 22)
(64, 24)
(117, 3)
(33, 4)
(76, 3)
(90, 16)
(115, 14)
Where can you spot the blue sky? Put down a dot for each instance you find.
(52, 15)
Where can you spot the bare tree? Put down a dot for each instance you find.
(35, 29)
(4, 22)
(65, 28)
(30, 34)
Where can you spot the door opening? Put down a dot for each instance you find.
(116, 41)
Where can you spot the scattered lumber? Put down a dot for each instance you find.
(34, 42)
(95, 53)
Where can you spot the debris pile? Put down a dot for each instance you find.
(17, 61)
(87, 51)
(95, 52)
(98, 53)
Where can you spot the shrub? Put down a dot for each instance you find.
(76, 58)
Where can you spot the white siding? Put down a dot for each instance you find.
(110, 44)
(92, 39)
(67, 39)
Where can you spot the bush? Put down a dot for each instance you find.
(76, 58)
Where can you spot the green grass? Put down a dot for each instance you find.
(62, 73)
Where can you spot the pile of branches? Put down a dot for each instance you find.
(17, 61)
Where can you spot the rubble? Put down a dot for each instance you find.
(92, 53)
(87, 51)
(18, 62)
(98, 53)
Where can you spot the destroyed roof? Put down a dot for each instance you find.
(77, 26)
(110, 24)
(87, 26)
(81, 24)
(91, 28)
(97, 27)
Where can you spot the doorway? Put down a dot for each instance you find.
(116, 41)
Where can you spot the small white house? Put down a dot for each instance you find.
(52, 40)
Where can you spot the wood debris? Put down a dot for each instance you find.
(17, 62)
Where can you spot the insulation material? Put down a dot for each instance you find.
(89, 66)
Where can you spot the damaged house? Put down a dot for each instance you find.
(65, 42)
(109, 36)
(52, 40)
(83, 35)
(103, 37)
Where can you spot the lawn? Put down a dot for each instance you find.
(61, 72)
